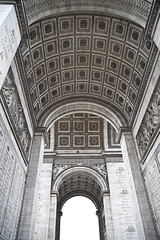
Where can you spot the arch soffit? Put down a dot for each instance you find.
(80, 170)
(97, 109)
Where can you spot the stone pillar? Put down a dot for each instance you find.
(105, 135)
(108, 221)
(29, 211)
(43, 207)
(10, 38)
(142, 214)
(52, 217)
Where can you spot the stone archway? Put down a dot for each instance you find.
(81, 181)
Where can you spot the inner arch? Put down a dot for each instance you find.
(79, 220)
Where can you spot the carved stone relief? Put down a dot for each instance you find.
(59, 168)
(150, 123)
(13, 102)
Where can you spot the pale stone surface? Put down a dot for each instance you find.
(151, 176)
(29, 212)
(109, 234)
(52, 217)
(121, 205)
(143, 218)
(10, 38)
(43, 206)
(12, 182)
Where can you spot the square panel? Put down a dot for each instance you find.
(97, 75)
(52, 65)
(126, 72)
(119, 29)
(68, 89)
(146, 46)
(78, 141)
(102, 25)
(51, 48)
(66, 44)
(82, 87)
(40, 72)
(83, 43)
(123, 87)
(49, 28)
(84, 24)
(42, 86)
(132, 96)
(141, 63)
(64, 126)
(64, 141)
(82, 74)
(112, 65)
(99, 45)
(130, 55)
(93, 141)
(136, 80)
(35, 34)
(54, 80)
(44, 100)
(115, 48)
(83, 60)
(55, 93)
(98, 61)
(110, 79)
(67, 61)
(95, 89)
(120, 100)
(93, 126)
(37, 55)
(78, 126)
(108, 93)
(134, 35)
(66, 25)
(67, 75)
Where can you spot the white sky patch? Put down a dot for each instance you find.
(79, 220)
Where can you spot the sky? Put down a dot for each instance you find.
(79, 220)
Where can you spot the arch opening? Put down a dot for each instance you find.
(79, 220)
(80, 181)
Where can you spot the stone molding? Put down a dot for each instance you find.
(59, 168)
(137, 8)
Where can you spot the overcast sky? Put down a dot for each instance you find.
(79, 220)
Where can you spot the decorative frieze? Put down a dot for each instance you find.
(150, 123)
(59, 168)
(139, 8)
(11, 97)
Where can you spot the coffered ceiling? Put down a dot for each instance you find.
(86, 57)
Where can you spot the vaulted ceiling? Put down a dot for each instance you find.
(92, 57)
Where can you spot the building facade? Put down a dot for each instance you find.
(80, 115)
